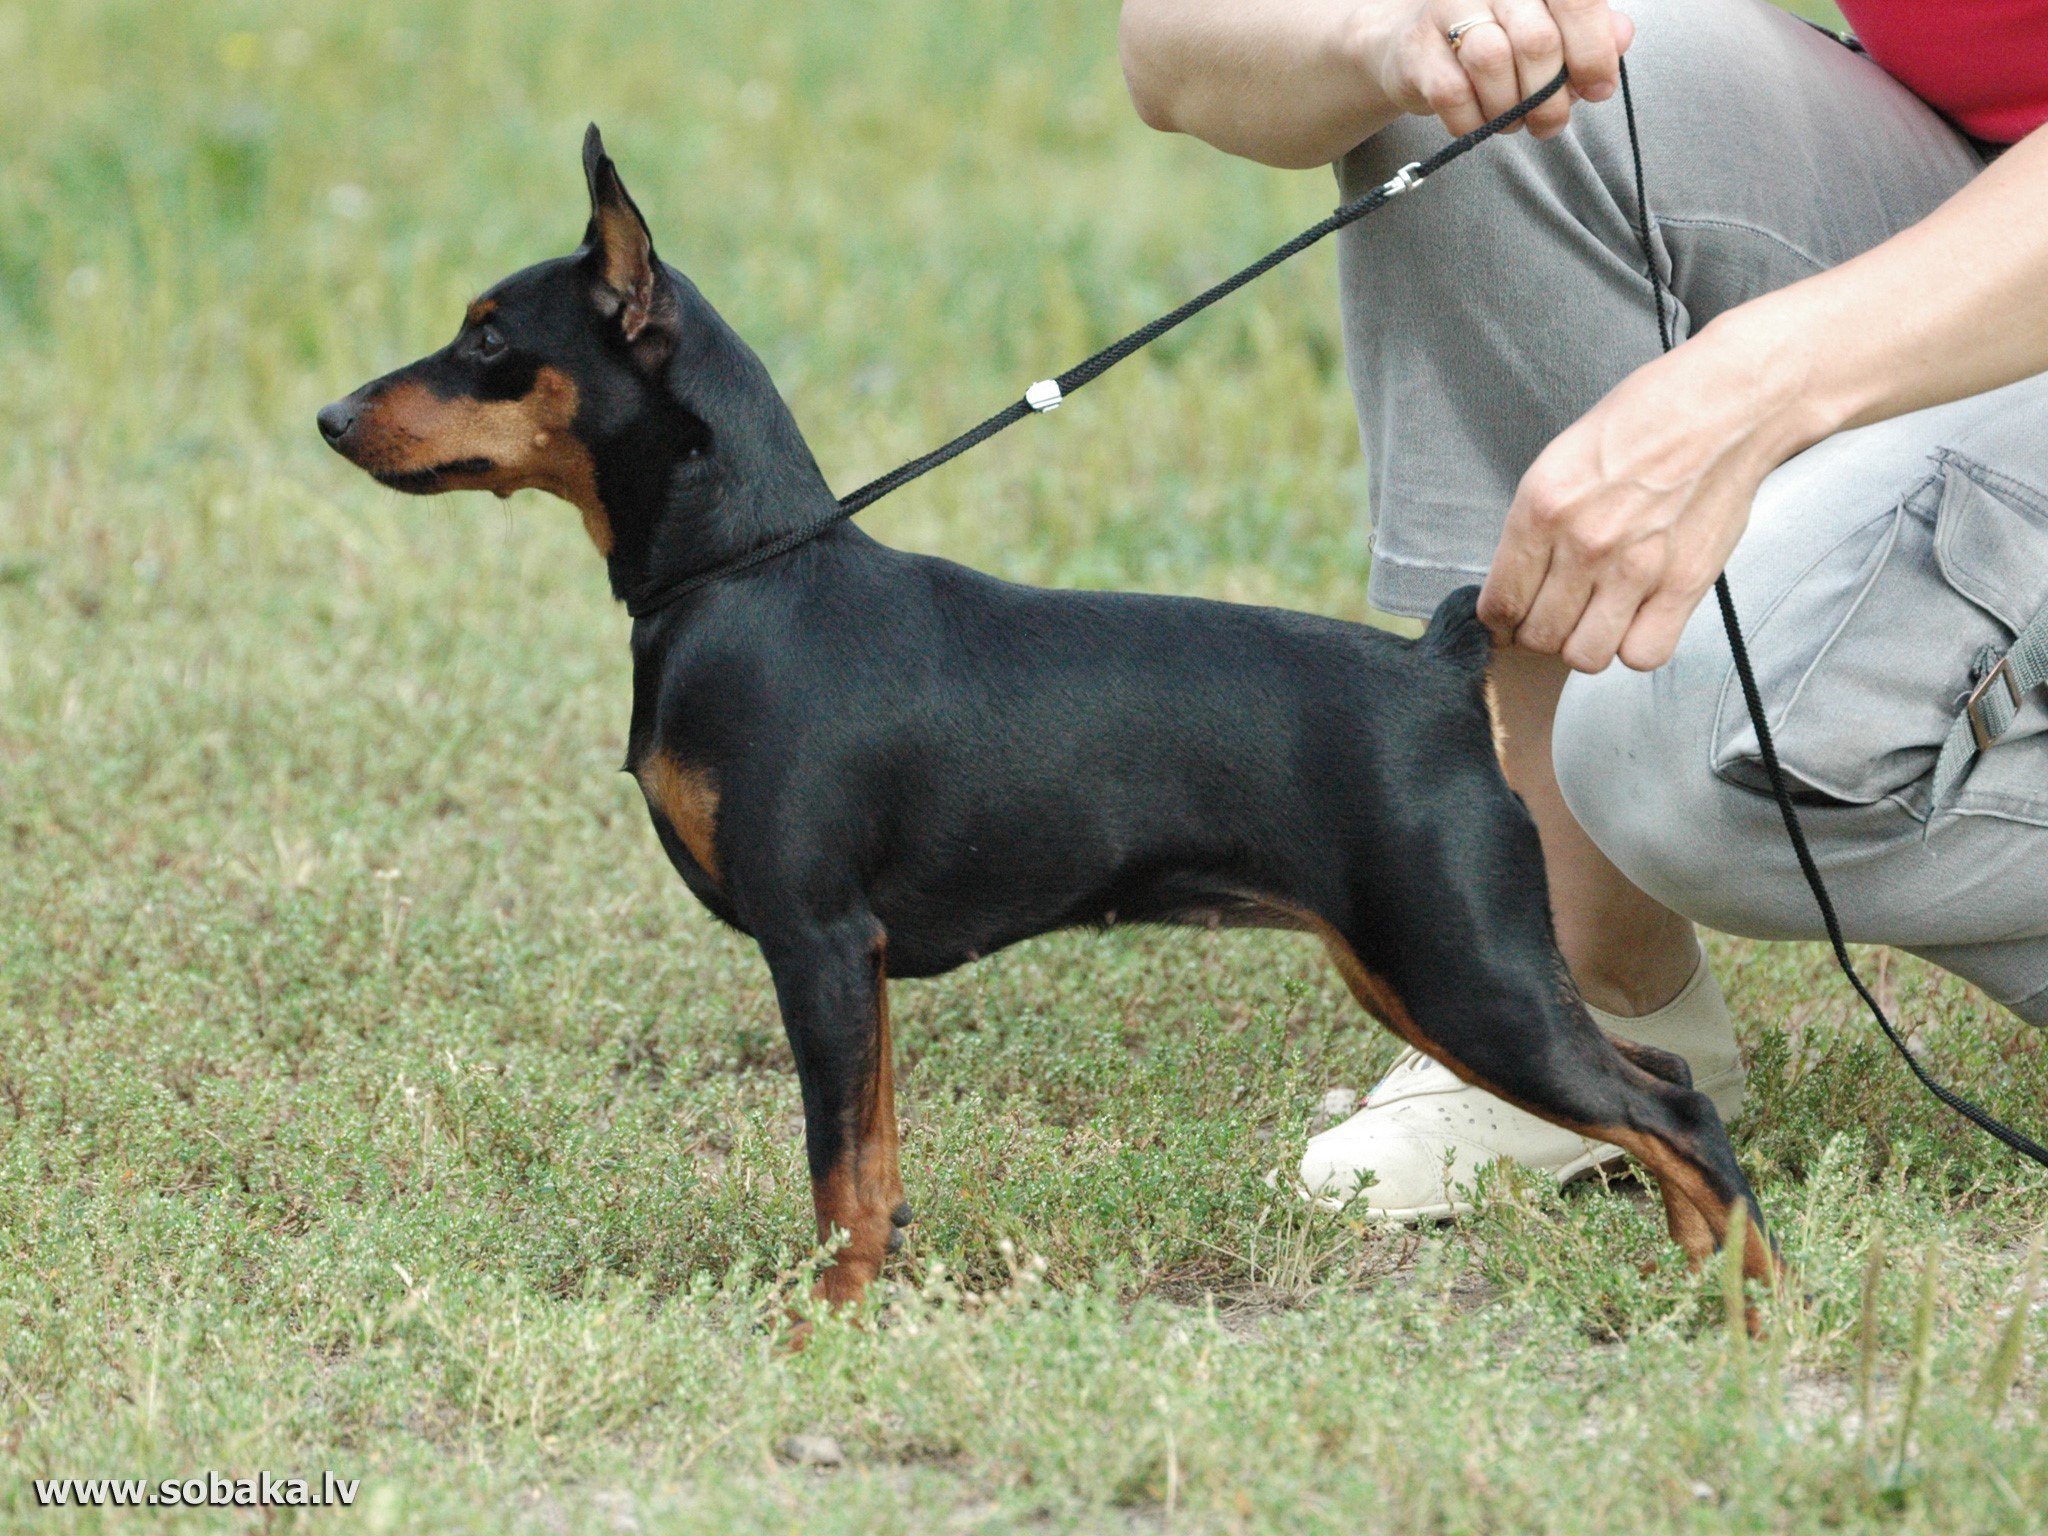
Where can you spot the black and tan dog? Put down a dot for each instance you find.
(879, 764)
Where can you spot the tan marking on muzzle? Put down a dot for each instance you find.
(407, 429)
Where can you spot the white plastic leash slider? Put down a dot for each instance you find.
(1044, 395)
(1406, 177)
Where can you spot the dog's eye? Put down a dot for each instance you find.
(490, 344)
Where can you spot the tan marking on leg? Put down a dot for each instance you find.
(499, 445)
(1698, 1218)
(687, 799)
(1695, 1218)
(861, 1191)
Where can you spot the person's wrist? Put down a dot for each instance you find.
(1767, 352)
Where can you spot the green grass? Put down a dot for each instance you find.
(371, 1096)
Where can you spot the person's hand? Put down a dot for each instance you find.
(1621, 525)
(1509, 49)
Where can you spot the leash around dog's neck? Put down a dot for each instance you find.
(1047, 394)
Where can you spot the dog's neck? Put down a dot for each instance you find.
(713, 468)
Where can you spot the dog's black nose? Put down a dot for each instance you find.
(336, 420)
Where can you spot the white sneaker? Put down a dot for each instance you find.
(1424, 1132)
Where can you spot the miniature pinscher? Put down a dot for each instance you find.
(879, 764)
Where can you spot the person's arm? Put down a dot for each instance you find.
(1297, 83)
(1620, 526)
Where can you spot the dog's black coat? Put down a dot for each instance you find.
(909, 764)
(973, 763)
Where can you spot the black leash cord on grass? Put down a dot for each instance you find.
(1047, 395)
(1978, 1116)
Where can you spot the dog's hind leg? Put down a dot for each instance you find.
(832, 982)
(1509, 1021)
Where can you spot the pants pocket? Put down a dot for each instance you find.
(1866, 658)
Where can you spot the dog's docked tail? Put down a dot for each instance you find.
(1455, 632)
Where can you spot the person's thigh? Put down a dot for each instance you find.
(1880, 573)
(1491, 307)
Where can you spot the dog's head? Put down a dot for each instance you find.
(549, 365)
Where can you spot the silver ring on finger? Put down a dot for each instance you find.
(1456, 35)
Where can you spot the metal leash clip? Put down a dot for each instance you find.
(1043, 396)
(1410, 175)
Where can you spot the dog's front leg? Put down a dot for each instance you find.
(832, 981)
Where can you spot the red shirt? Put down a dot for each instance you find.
(1983, 64)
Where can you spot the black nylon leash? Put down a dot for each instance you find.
(1752, 697)
(1048, 394)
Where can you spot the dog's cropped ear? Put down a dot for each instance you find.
(627, 283)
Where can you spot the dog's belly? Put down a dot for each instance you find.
(928, 938)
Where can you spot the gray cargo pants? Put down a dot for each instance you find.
(1493, 306)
